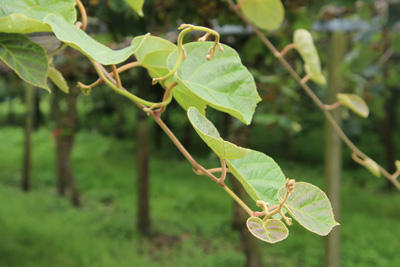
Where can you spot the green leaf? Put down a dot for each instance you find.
(310, 207)
(80, 40)
(153, 55)
(271, 231)
(355, 103)
(207, 131)
(222, 82)
(305, 45)
(57, 78)
(137, 5)
(372, 167)
(26, 16)
(265, 14)
(260, 176)
(28, 59)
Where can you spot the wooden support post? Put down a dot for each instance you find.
(333, 147)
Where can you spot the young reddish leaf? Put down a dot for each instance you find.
(271, 231)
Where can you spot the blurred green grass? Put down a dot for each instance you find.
(190, 215)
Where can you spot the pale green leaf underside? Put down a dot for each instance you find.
(153, 55)
(80, 40)
(207, 131)
(28, 59)
(354, 103)
(137, 5)
(305, 46)
(260, 176)
(310, 207)
(222, 82)
(372, 167)
(57, 78)
(265, 14)
(271, 231)
(26, 16)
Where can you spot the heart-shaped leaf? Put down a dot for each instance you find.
(137, 5)
(310, 207)
(207, 131)
(271, 231)
(82, 42)
(222, 82)
(26, 16)
(260, 176)
(265, 14)
(153, 56)
(28, 59)
(372, 167)
(58, 79)
(355, 103)
(305, 46)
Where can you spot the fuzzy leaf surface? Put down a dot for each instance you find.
(271, 231)
(81, 41)
(354, 103)
(222, 82)
(207, 131)
(305, 46)
(260, 176)
(310, 206)
(26, 16)
(265, 14)
(28, 59)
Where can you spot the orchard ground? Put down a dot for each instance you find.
(191, 216)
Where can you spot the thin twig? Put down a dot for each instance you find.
(82, 10)
(116, 76)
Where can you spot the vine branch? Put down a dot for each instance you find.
(310, 93)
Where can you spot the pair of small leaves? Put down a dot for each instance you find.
(304, 44)
(307, 204)
(222, 82)
(265, 14)
(354, 103)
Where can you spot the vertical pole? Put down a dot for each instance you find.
(26, 169)
(333, 147)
